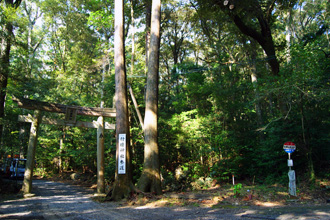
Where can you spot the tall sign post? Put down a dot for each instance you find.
(290, 147)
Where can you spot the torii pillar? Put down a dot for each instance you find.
(100, 157)
(27, 183)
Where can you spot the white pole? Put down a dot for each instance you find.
(292, 179)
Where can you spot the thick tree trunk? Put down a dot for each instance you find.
(150, 178)
(264, 38)
(4, 70)
(148, 24)
(123, 181)
(260, 32)
(5, 46)
(133, 38)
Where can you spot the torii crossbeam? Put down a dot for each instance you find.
(59, 108)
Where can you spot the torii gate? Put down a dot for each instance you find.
(70, 120)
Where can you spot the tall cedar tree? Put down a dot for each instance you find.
(150, 178)
(123, 185)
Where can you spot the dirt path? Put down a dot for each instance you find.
(56, 200)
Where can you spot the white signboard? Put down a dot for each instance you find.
(292, 183)
(122, 154)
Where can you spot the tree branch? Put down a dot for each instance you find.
(270, 8)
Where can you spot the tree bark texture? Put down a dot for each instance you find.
(123, 182)
(4, 69)
(5, 46)
(150, 178)
(148, 5)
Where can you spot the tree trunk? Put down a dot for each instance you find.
(150, 178)
(4, 69)
(288, 37)
(148, 23)
(60, 158)
(306, 140)
(21, 138)
(254, 80)
(264, 38)
(123, 181)
(133, 38)
(136, 106)
(261, 31)
(5, 46)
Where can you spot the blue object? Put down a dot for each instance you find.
(289, 151)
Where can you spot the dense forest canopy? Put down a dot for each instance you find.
(237, 80)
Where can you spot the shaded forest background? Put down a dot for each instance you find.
(224, 108)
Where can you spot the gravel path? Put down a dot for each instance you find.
(56, 200)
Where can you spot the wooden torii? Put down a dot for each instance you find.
(70, 120)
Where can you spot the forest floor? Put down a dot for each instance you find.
(64, 198)
(225, 194)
